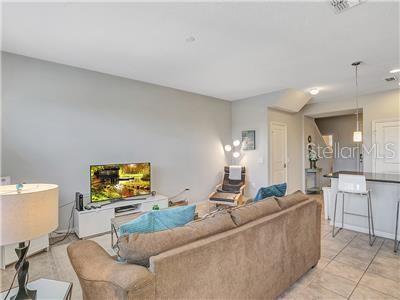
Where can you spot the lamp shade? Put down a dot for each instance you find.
(357, 136)
(228, 148)
(236, 154)
(29, 213)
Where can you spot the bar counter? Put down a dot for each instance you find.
(385, 191)
(377, 177)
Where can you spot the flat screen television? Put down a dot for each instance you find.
(119, 181)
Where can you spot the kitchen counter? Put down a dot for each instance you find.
(377, 177)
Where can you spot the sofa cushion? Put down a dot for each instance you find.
(292, 199)
(158, 220)
(252, 211)
(137, 248)
(278, 190)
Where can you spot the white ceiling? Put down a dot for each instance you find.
(240, 49)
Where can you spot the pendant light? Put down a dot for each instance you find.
(357, 135)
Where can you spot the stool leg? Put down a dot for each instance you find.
(334, 232)
(369, 220)
(343, 210)
(372, 215)
(396, 246)
(112, 235)
(372, 236)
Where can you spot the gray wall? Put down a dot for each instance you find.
(58, 120)
(341, 128)
(325, 163)
(376, 106)
(252, 113)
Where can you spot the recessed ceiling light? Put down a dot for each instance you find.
(314, 92)
(190, 39)
(394, 71)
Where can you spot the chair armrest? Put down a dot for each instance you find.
(216, 189)
(212, 194)
(103, 277)
(242, 189)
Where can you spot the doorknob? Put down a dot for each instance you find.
(284, 165)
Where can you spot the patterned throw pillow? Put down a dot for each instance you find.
(277, 190)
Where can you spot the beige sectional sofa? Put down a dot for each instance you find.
(252, 252)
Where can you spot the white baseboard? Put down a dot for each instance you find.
(60, 233)
(365, 230)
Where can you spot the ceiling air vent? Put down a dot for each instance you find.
(341, 5)
(389, 79)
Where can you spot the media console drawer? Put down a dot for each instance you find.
(93, 222)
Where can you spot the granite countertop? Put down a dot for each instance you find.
(378, 177)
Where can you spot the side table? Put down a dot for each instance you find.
(313, 178)
(117, 222)
(46, 289)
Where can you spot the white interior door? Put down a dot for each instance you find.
(278, 153)
(387, 140)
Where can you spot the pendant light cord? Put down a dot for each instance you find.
(357, 96)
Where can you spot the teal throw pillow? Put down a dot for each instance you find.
(158, 220)
(277, 190)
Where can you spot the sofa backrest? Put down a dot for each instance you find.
(137, 248)
(291, 199)
(256, 260)
(253, 211)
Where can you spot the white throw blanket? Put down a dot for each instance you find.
(235, 172)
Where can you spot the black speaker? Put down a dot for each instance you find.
(78, 201)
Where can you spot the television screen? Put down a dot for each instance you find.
(119, 181)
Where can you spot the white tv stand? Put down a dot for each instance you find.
(98, 220)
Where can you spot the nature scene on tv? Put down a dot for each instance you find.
(119, 181)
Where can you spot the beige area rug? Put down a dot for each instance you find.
(64, 267)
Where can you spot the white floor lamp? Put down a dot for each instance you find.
(26, 213)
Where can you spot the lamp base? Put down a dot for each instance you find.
(22, 267)
(25, 294)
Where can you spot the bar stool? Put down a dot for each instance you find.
(396, 243)
(354, 185)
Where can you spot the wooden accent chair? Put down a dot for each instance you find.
(231, 190)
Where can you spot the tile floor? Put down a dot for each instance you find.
(348, 268)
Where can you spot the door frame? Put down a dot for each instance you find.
(284, 125)
(374, 123)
